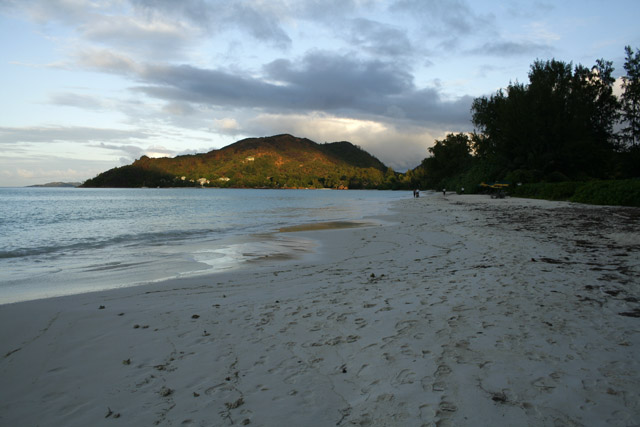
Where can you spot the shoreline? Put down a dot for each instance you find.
(462, 311)
(199, 238)
(235, 254)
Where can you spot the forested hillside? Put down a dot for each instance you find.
(281, 161)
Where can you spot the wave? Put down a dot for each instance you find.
(128, 240)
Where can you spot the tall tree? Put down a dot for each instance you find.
(561, 122)
(449, 157)
(631, 98)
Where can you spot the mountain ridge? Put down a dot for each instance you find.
(278, 161)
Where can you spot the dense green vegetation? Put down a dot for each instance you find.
(557, 132)
(281, 161)
(625, 192)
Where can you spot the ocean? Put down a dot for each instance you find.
(62, 241)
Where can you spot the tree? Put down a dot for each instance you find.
(449, 157)
(630, 134)
(560, 124)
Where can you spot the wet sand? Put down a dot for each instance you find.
(464, 311)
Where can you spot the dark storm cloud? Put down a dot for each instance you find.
(339, 80)
(213, 87)
(320, 81)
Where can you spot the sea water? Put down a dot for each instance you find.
(61, 241)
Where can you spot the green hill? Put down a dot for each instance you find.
(281, 161)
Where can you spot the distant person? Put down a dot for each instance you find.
(444, 191)
(417, 193)
(414, 193)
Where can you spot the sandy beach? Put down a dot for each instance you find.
(457, 310)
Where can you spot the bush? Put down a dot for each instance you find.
(619, 193)
(615, 193)
(524, 176)
(556, 177)
(548, 191)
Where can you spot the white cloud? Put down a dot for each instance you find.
(48, 134)
(55, 174)
(540, 32)
(20, 171)
(159, 151)
(226, 125)
(400, 149)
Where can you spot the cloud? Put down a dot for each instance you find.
(400, 148)
(377, 38)
(259, 23)
(85, 102)
(161, 30)
(17, 135)
(258, 19)
(364, 86)
(451, 18)
(510, 48)
(529, 9)
(63, 11)
(30, 171)
(50, 174)
(178, 109)
(227, 126)
(130, 152)
(108, 61)
(324, 80)
(149, 37)
(540, 31)
(319, 81)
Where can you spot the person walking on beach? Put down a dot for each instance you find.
(444, 192)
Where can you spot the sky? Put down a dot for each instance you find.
(88, 85)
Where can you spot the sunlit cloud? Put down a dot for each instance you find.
(226, 125)
(397, 147)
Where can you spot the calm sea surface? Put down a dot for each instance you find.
(60, 241)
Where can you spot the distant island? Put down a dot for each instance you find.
(59, 184)
(280, 161)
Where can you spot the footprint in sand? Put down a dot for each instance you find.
(447, 407)
(405, 376)
(405, 325)
(442, 370)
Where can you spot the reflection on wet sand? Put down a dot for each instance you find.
(329, 225)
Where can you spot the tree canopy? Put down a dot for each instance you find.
(559, 126)
(631, 98)
(560, 123)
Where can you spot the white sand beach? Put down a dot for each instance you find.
(457, 310)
